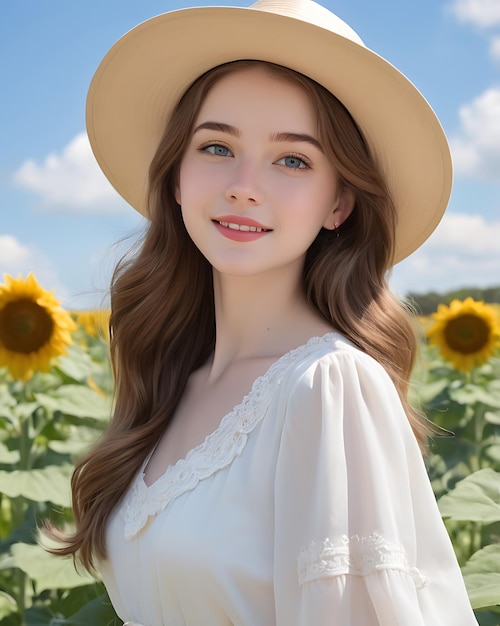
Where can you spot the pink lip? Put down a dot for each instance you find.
(239, 235)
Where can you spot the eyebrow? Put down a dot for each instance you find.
(223, 128)
(232, 130)
(297, 137)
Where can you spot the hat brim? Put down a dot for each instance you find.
(146, 72)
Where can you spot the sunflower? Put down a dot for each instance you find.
(94, 322)
(33, 327)
(467, 333)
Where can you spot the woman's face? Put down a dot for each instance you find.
(255, 185)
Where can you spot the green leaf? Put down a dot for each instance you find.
(7, 604)
(431, 390)
(8, 457)
(493, 417)
(48, 571)
(38, 616)
(493, 452)
(23, 532)
(475, 498)
(79, 440)
(471, 394)
(77, 401)
(484, 561)
(7, 401)
(77, 365)
(48, 484)
(488, 617)
(483, 589)
(98, 611)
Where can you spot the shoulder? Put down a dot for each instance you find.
(335, 379)
(334, 359)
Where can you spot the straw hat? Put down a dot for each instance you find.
(145, 73)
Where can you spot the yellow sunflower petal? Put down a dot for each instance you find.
(467, 332)
(94, 323)
(33, 327)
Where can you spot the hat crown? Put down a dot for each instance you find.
(312, 12)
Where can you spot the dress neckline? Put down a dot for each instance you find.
(216, 451)
(254, 390)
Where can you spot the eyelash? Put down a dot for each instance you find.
(214, 144)
(298, 157)
(293, 155)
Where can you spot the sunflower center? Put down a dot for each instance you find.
(25, 326)
(467, 334)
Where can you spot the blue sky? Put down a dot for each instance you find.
(60, 218)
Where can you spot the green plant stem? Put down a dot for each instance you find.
(18, 514)
(25, 445)
(476, 542)
(477, 463)
(479, 433)
(479, 424)
(21, 598)
(19, 507)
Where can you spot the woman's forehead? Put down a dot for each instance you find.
(254, 96)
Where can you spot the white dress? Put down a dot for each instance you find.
(309, 505)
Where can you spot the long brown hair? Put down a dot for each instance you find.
(163, 321)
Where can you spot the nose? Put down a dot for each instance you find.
(244, 187)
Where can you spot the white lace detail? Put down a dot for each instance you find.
(358, 556)
(218, 450)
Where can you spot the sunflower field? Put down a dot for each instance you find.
(56, 397)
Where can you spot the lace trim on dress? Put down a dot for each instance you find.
(218, 450)
(359, 556)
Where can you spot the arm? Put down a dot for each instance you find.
(358, 536)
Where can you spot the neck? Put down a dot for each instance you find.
(261, 316)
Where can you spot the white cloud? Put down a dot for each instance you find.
(469, 236)
(483, 13)
(495, 48)
(18, 259)
(476, 148)
(12, 254)
(70, 180)
(462, 252)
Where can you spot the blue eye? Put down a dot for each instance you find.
(293, 162)
(218, 150)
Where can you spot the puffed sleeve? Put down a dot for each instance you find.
(358, 536)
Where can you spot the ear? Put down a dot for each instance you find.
(343, 208)
(178, 194)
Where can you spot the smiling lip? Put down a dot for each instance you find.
(240, 228)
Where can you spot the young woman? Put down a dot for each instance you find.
(262, 466)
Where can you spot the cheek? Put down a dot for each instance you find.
(182, 189)
(312, 203)
(197, 183)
